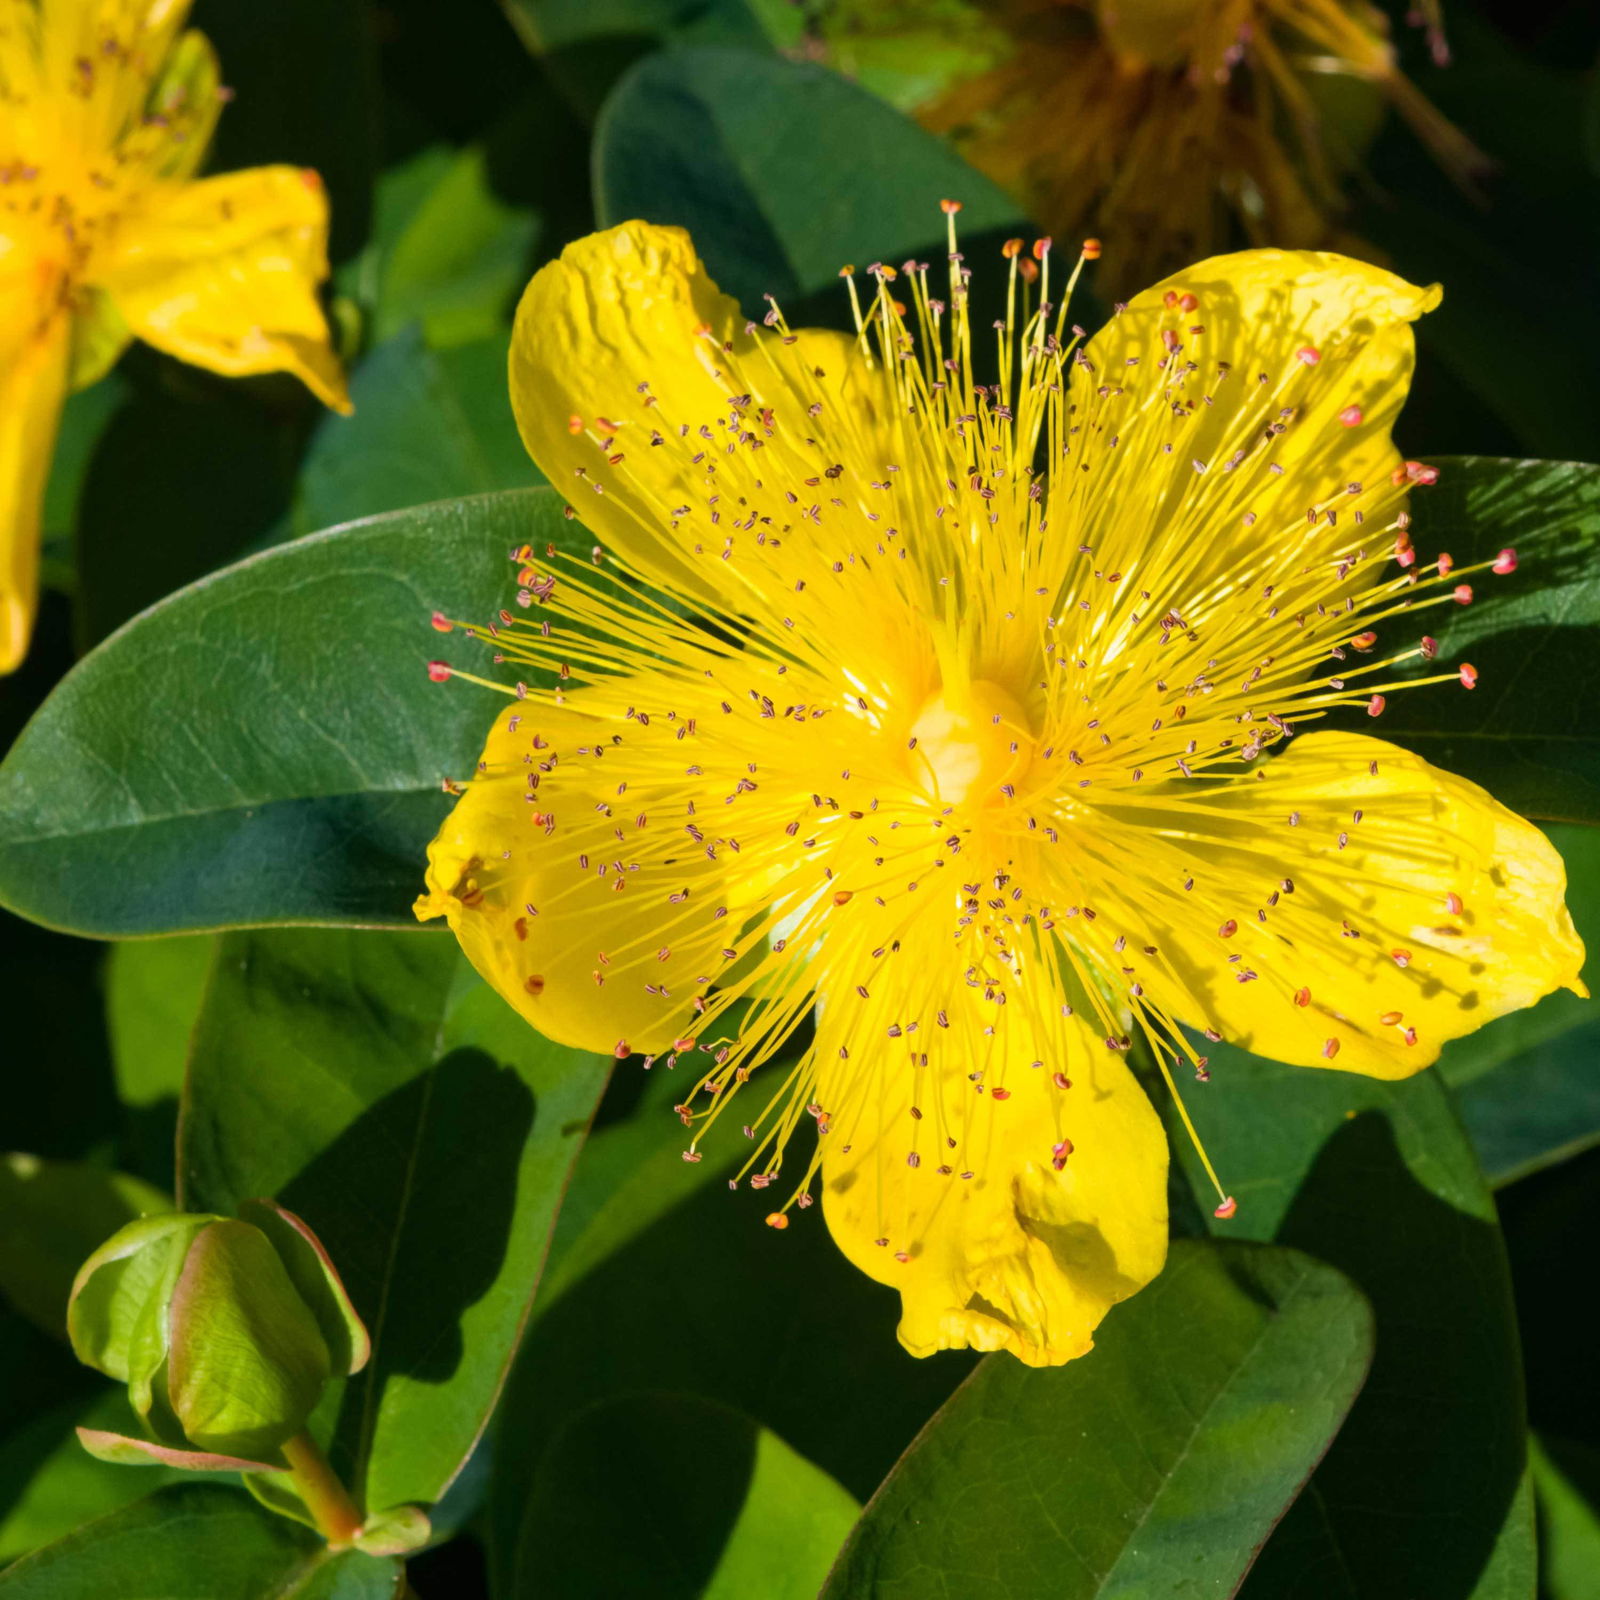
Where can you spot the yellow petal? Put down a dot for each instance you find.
(1315, 340)
(1375, 900)
(224, 272)
(626, 338)
(540, 887)
(33, 384)
(1001, 1249)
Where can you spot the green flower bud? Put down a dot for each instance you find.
(225, 1331)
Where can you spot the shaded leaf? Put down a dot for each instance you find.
(304, 784)
(376, 1087)
(196, 1542)
(1379, 1180)
(732, 1510)
(1157, 1464)
(782, 173)
(1566, 1480)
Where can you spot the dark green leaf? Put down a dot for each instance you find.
(196, 1541)
(1525, 1084)
(428, 425)
(1379, 1180)
(379, 1090)
(690, 1292)
(731, 1511)
(1156, 1465)
(266, 746)
(1522, 733)
(783, 173)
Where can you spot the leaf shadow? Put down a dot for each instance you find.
(1412, 1496)
(415, 1202)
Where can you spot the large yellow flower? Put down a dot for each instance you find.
(106, 108)
(1163, 124)
(958, 720)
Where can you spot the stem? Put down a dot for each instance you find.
(335, 1513)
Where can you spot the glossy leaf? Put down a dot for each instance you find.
(1566, 1480)
(783, 173)
(1522, 733)
(1525, 1084)
(731, 1510)
(379, 1090)
(1378, 1180)
(304, 783)
(1157, 1464)
(197, 1542)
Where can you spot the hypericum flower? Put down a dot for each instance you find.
(958, 719)
(1164, 124)
(105, 113)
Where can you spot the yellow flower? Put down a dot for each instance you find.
(978, 753)
(105, 112)
(1165, 124)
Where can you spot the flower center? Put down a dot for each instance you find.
(970, 743)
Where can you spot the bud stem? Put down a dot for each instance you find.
(328, 1501)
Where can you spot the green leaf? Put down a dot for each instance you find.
(782, 173)
(304, 784)
(196, 1541)
(1522, 733)
(1156, 1465)
(377, 1088)
(1566, 1480)
(1379, 1180)
(692, 1293)
(1525, 1084)
(428, 425)
(732, 1511)
(461, 260)
(56, 1213)
(49, 1484)
(153, 993)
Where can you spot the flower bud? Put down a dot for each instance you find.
(225, 1331)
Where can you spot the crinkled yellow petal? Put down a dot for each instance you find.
(1318, 341)
(626, 339)
(538, 883)
(223, 273)
(1379, 907)
(33, 384)
(991, 1244)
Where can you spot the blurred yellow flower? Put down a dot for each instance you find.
(106, 108)
(982, 759)
(1164, 125)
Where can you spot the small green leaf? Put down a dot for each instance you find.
(196, 1541)
(56, 1213)
(732, 1511)
(316, 1281)
(117, 1318)
(782, 173)
(246, 1360)
(304, 784)
(1155, 1465)
(122, 1450)
(394, 1533)
(424, 1131)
